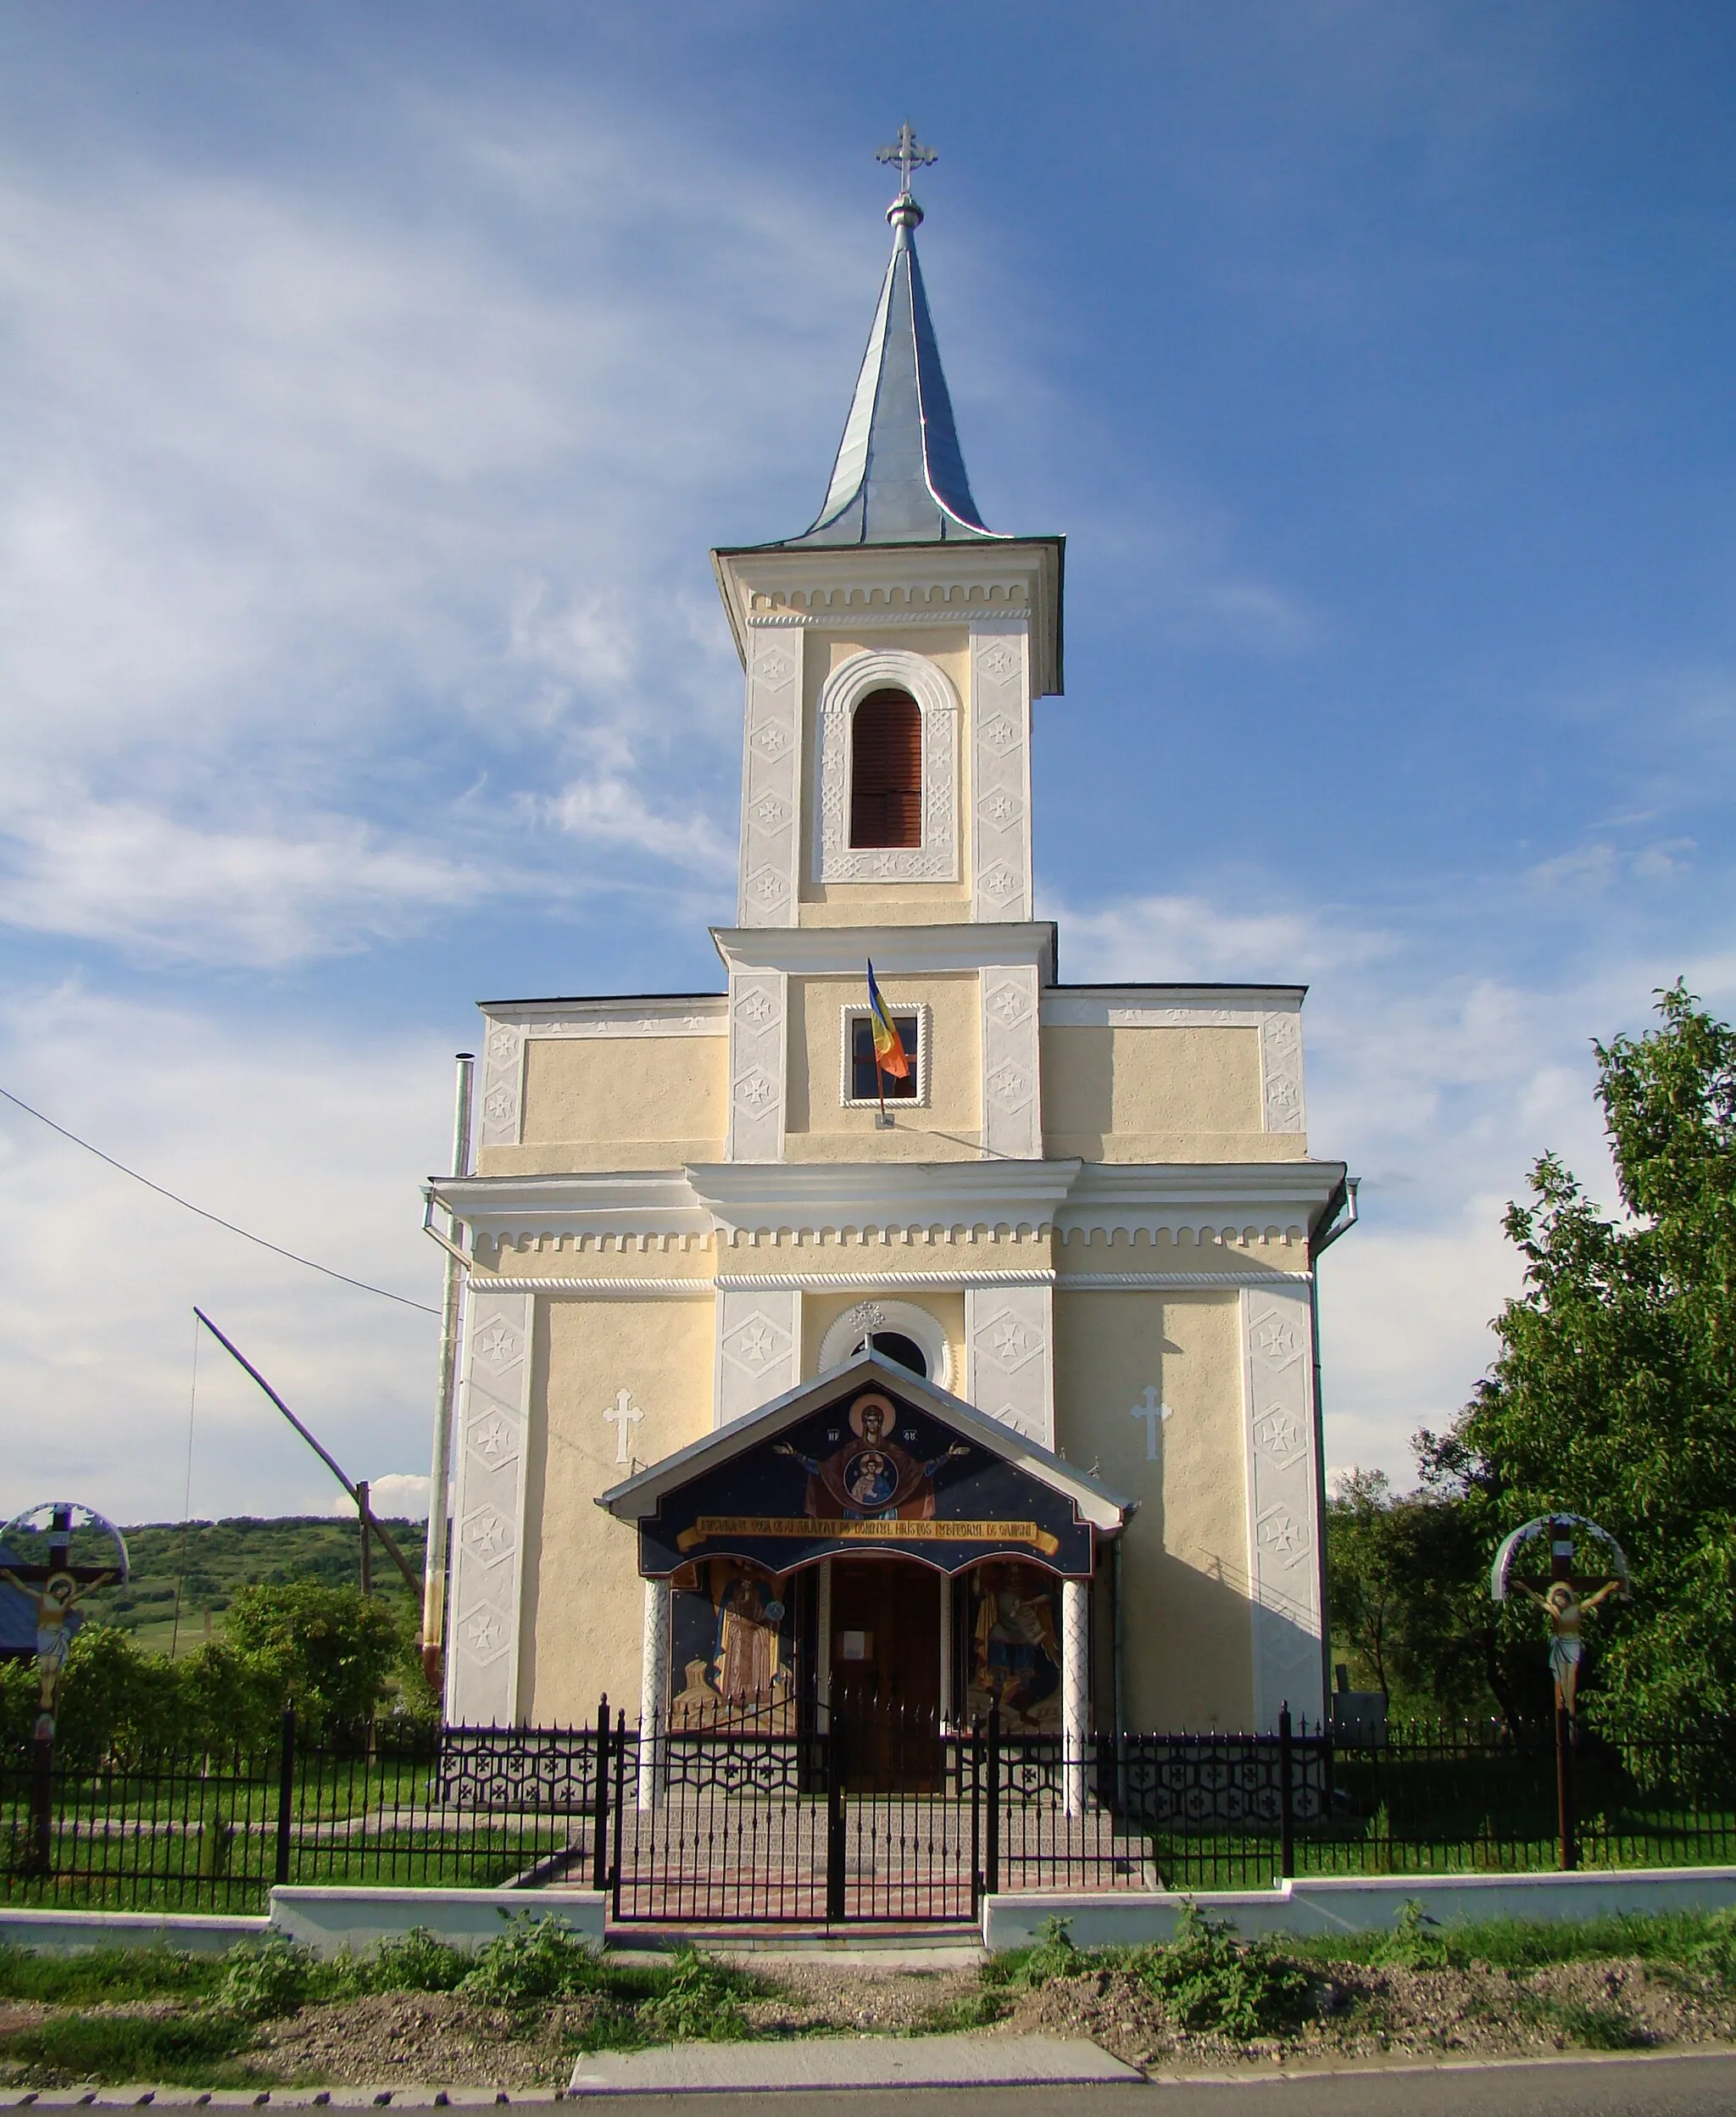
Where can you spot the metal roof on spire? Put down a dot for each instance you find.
(900, 476)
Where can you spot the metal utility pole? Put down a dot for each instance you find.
(440, 1466)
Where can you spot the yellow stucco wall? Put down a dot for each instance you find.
(818, 1127)
(1157, 1095)
(1185, 1577)
(582, 1615)
(620, 1102)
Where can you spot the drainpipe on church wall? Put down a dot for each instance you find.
(440, 1463)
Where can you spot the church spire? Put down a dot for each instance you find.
(900, 476)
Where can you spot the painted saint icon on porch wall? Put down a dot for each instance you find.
(870, 1474)
(728, 1637)
(1016, 1659)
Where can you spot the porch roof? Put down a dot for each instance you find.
(637, 1498)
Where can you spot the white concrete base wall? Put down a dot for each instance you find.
(69, 1932)
(1355, 1903)
(330, 1920)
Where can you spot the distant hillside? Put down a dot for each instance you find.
(211, 1559)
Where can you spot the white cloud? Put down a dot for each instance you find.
(399, 1496)
(317, 1142)
(1178, 938)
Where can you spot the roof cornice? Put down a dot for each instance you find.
(896, 951)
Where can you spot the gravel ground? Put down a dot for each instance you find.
(1358, 2013)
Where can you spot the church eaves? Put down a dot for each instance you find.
(900, 476)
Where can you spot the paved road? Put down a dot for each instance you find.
(1591, 2087)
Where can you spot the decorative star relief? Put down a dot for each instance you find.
(1008, 1086)
(1007, 1341)
(494, 1440)
(1279, 1434)
(1278, 1534)
(772, 739)
(999, 734)
(769, 811)
(755, 1007)
(755, 1344)
(502, 1045)
(1008, 1006)
(1277, 1340)
(1000, 880)
(997, 662)
(774, 666)
(755, 1089)
(767, 885)
(1001, 810)
(484, 1633)
(497, 1343)
(498, 1105)
(489, 1533)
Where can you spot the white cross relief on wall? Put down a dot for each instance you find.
(625, 1415)
(1153, 1414)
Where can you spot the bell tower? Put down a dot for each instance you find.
(891, 651)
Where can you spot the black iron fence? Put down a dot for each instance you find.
(808, 1817)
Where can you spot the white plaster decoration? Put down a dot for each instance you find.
(845, 1335)
(1168, 1007)
(895, 951)
(1154, 1413)
(1001, 774)
(937, 858)
(923, 1054)
(640, 1018)
(1008, 1365)
(758, 1350)
(624, 1414)
(488, 1506)
(946, 1651)
(610, 1290)
(758, 1000)
(1280, 1071)
(1284, 1556)
(1167, 1282)
(772, 779)
(654, 1694)
(1012, 1087)
(502, 1085)
(873, 1282)
(1076, 1686)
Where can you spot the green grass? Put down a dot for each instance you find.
(192, 2050)
(1666, 1938)
(107, 1974)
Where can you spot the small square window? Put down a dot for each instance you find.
(861, 1087)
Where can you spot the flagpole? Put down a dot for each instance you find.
(880, 1084)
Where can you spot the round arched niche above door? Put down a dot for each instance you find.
(890, 1320)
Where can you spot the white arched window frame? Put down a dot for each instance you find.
(937, 858)
(874, 1314)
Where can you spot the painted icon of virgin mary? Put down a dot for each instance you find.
(870, 1475)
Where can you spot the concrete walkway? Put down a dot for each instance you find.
(838, 2062)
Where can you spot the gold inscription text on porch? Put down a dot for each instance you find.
(893, 1532)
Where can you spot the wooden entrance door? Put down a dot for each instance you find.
(886, 1649)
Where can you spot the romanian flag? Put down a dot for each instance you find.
(888, 1045)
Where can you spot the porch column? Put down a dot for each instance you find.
(946, 1650)
(822, 1641)
(1076, 1662)
(653, 1692)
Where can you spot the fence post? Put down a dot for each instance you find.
(992, 1864)
(834, 1739)
(285, 1795)
(976, 1817)
(1287, 1797)
(599, 1806)
(620, 1802)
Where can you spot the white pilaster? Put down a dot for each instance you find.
(488, 1510)
(1012, 1091)
(654, 1693)
(759, 1348)
(1283, 1542)
(501, 1116)
(1076, 1691)
(1008, 1364)
(1000, 773)
(1280, 1071)
(771, 778)
(822, 1638)
(946, 1650)
(758, 1000)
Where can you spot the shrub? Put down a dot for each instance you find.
(1717, 1954)
(334, 1649)
(1415, 1943)
(273, 1977)
(535, 1958)
(418, 1962)
(1209, 1980)
(699, 2004)
(1053, 1956)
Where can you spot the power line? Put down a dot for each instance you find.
(216, 1219)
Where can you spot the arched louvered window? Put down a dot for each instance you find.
(885, 771)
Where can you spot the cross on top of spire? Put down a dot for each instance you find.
(909, 152)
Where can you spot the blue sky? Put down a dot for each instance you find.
(374, 381)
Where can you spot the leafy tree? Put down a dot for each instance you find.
(336, 1650)
(1614, 1394)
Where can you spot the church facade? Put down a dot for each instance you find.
(995, 1382)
